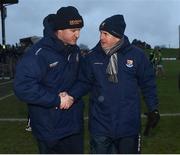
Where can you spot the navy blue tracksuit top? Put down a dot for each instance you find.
(48, 68)
(115, 108)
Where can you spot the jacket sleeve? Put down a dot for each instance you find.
(147, 82)
(84, 81)
(28, 84)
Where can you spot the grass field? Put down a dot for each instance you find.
(163, 139)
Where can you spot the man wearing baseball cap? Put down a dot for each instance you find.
(46, 69)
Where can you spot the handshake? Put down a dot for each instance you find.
(66, 100)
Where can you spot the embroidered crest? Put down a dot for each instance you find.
(129, 63)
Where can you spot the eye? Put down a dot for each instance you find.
(75, 30)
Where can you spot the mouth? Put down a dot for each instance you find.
(103, 43)
(75, 39)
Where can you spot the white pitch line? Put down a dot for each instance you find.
(13, 119)
(85, 118)
(162, 115)
(175, 114)
(5, 83)
(6, 96)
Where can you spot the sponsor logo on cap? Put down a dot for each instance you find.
(75, 22)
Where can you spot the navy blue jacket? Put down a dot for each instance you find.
(115, 107)
(48, 68)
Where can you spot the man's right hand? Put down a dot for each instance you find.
(66, 100)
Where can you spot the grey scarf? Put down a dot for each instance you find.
(112, 68)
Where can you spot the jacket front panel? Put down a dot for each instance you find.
(114, 107)
(45, 70)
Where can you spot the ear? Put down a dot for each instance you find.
(58, 33)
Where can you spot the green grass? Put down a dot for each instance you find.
(3, 80)
(168, 88)
(14, 139)
(5, 89)
(163, 139)
(11, 107)
(168, 53)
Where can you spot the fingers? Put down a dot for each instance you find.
(65, 105)
(66, 100)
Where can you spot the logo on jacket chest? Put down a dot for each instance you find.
(129, 63)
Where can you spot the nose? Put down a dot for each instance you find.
(101, 36)
(77, 33)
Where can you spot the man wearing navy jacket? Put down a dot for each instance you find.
(114, 72)
(48, 68)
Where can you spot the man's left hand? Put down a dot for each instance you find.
(152, 121)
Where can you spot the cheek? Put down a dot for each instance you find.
(113, 41)
(108, 41)
(67, 37)
(70, 39)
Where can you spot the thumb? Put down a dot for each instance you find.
(63, 94)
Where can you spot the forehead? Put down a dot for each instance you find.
(109, 36)
(73, 29)
(107, 33)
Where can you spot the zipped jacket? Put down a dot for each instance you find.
(115, 108)
(45, 70)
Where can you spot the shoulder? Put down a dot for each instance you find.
(137, 51)
(94, 51)
(91, 55)
(35, 56)
(91, 52)
(42, 49)
(137, 54)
